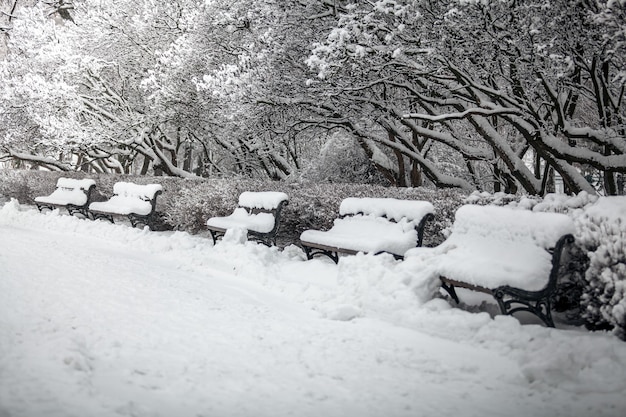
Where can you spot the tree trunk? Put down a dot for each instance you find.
(401, 175)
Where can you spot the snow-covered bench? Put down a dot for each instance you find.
(73, 194)
(512, 254)
(371, 225)
(258, 213)
(137, 202)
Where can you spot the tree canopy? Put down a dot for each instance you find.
(477, 94)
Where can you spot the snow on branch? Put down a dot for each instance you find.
(460, 115)
(40, 160)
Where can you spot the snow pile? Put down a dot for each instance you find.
(165, 323)
(267, 200)
(504, 224)
(83, 184)
(240, 218)
(68, 191)
(129, 189)
(391, 208)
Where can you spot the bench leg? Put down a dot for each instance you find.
(136, 219)
(72, 209)
(307, 251)
(40, 207)
(311, 252)
(540, 308)
(214, 235)
(451, 291)
(268, 239)
(97, 216)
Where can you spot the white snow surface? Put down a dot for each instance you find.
(367, 234)
(64, 196)
(100, 319)
(84, 183)
(511, 225)
(411, 210)
(492, 246)
(241, 219)
(129, 189)
(68, 191)
(122, 205)
(608, 208)
(267, 200)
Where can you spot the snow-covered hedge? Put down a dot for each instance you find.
(186, 204)
(603, 234)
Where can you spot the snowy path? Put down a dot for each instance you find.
(103, 326)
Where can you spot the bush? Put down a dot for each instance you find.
(604, 238)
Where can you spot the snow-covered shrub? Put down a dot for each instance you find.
(603, 235)
(553, 203)
(484, 198)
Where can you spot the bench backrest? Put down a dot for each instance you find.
(262, 200)
(391, 208)
(513, 225)
(74, 184)
(143, 192)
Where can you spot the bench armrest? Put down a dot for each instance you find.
(557, 253)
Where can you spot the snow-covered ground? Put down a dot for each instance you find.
(102, 320)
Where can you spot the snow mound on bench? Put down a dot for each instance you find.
(123, 206)
(389, 207)
(505, 224)
(68, 191)
(129, 189)
(63, 196)
(241, 219)
(83, 184)
(267, 200)
(367, 234)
